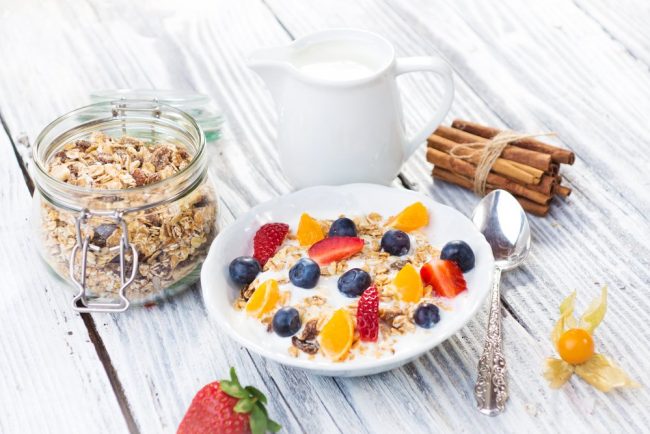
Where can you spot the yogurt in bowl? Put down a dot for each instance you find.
(400, 338)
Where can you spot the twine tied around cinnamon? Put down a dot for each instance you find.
(489, 152)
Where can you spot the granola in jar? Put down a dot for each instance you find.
(147, 189)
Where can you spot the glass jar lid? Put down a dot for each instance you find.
(201, 107)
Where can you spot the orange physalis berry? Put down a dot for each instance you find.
(576, 346)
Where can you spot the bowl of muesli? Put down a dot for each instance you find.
(346, 280)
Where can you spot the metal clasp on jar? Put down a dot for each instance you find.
(81, 303)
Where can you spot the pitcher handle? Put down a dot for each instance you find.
(437, 66)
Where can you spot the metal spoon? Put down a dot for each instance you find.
(503, 222)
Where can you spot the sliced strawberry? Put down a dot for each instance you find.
(268, 240)
(444, 276)
(335, 249)
(368, 315)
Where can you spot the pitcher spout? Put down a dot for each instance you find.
(273, 67)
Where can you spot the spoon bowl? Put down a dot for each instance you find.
(505, 226)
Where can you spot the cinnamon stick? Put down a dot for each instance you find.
(546, 185)
(527, 205)
(507, 168)
(535, 159)
(562, 191)
(553, 169)
(468, 170)
(527, 168)
(558, 155)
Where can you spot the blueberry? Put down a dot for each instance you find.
(305, 273)
(343, 227)
(286, 322)
(353, 282)
(426, 315)
(459, 252)
(244, 270)
(395, 242)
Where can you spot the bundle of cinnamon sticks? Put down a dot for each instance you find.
(527, 167)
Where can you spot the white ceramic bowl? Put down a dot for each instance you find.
(329, 202)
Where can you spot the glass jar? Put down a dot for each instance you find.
(124, 208)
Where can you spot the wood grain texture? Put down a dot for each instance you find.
(50, 374)
(163, 354)
(626, 23)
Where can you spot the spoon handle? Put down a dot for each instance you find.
(491, 390)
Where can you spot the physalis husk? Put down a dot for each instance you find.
(573, 339)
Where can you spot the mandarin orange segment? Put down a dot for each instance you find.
(309, 230)
(264, 299)
(409, 284)
(410, 218)
(337, 335)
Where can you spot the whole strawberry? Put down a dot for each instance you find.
(368, 315)
(226, 407)
(268, 240)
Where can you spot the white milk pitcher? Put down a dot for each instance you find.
(339, 107)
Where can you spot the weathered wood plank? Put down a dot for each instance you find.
(50, 374)
(625, 22)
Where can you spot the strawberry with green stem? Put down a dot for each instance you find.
(228, 408)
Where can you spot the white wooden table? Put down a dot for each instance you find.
(577, 67)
